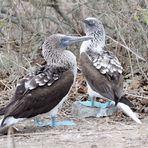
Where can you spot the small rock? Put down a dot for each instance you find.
(146, 109)
(8, 129)
(81, 90)
(81, 111)
(144, 102)
(102, 100)
(145, 88)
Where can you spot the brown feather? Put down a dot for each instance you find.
(104, 84)
(39, 100)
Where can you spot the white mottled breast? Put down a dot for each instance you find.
(84, 46)
(94, 45)
(71, 59)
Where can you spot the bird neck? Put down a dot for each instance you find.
(51, 55)
(96, 44)
(59, 58)
(98, 41)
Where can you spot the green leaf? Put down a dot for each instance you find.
(2, 23)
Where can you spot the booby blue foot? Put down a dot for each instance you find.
(53, 123)
(92, 103)
(56, 123)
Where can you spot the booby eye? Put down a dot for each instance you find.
(90, 22)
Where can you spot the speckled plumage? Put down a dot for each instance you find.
(105, 62)
(102, 68)
(47, 88)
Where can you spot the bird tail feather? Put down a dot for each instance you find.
(10, 121)
(125, 100)
(128, 111)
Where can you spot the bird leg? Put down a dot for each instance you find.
(41, 123)
(91, 102)
(53, 121)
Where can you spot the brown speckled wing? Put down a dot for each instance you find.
(44, 90)
(43, 76)
(108, 84)
(106, 62)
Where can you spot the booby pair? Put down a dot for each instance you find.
(47, 88)
(102, 69)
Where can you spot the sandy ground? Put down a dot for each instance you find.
(88, 133)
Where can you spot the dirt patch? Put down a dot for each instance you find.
(88, 133)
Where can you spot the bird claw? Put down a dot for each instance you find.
(96, 104)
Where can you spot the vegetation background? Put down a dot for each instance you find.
(24, 24)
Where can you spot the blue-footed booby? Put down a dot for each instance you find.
(102, 69)
(47, 88)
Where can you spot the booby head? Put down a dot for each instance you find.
(94, 27)
(53, 49)
(60, 41)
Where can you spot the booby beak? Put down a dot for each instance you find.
(73, 39)
(79, 39)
